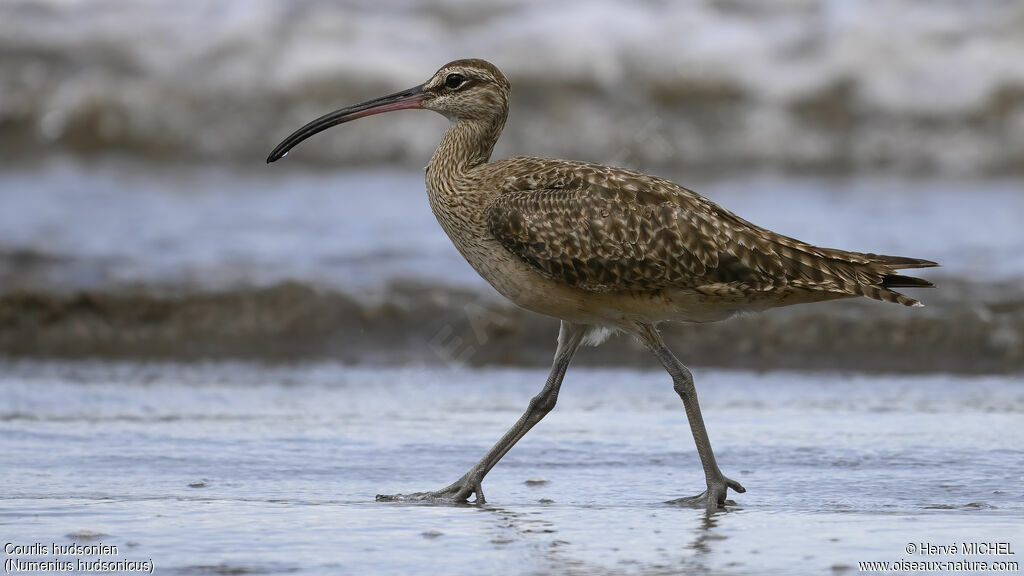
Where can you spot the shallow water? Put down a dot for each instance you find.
(113, 224)
(247, 468)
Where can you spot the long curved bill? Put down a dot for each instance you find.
(411, 98)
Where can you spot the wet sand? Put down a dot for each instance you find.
(238, 468)
(415, 322)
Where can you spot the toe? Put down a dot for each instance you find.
(735, 486)
(456, 493)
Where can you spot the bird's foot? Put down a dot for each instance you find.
(713, 499)
(456, 493)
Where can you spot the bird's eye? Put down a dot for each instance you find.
(453, 81)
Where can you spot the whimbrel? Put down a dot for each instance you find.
(604, 249)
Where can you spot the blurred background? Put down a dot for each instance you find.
(138, 219)
(215, 363)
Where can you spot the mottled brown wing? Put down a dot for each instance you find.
(604, 229)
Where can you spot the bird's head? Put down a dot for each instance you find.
(470, 89)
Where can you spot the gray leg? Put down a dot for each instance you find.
(714, 497)
(569, 338)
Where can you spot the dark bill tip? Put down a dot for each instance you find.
(411, 98)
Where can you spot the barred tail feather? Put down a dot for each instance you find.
(883, 290)
(898, 281)
(886, 295)
(899, 262)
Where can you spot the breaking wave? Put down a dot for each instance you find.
(828, 85)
